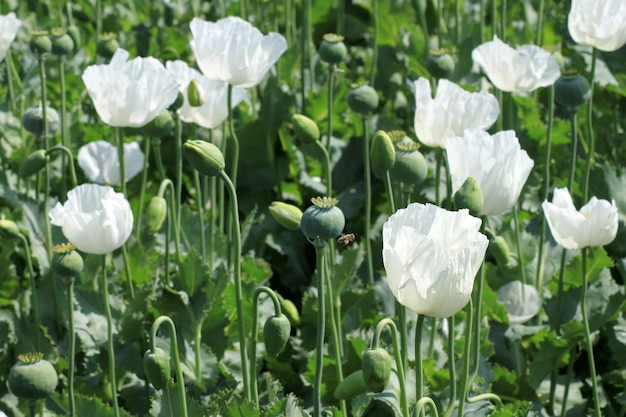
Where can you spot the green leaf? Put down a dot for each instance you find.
(85, 406)
(194, 271)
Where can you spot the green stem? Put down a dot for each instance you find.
(518, 245)
(236, 266)
(320, 251)
(119, 141)
(64, 127)
(110, 347)
(568, 378)
(439, 25)
(421, 405)
(374, 43)
(404, 336)
(178, 186)
(451, 361)
(9, 64)
(477, 322)
(98, 19)
(67, 153)
(503, 20)
(255, 330)
(235, 160)
(71, 336)
(180, 382)
(341, 17)
(457, 22)
(588, 344)
(419, 374)
(466, 359)
(196, 178)
(129, 278)
(540, 23)
(327, 171)
(33, 289)
(142, 191)
(494, 24)
(592, 141)
(331, 95)
(389, 189)
(46, 141)
(382, 324)
(368, 200)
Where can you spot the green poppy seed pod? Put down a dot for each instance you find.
(351, 386)
(376, 365)
(383, 153)
(40, 42)
(74, 33)
(156, 365)
(571, 90)
(178, 103)
(332, 49)
(363, 99)
(62, 42)
(205, 157)
(305, 128)
(290, 310)
(32, 378)
(156, 212)
(67, 264)
(470, 196)
(33, 120)
(107, 45)
(499, 249)
(322, 221)
(287, 215)
(33, 163)
(440, 64)
(160, 126)
(409, 168)
(276, 333)
(193, 94)
(9, 230)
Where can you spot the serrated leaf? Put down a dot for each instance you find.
(193, 272)
(85, 406)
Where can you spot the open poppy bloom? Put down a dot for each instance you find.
(130, 93)
(601, 24)
(595, 224)
(431, 256)
(233, 51)
(520, 70)
(9, 25)
(100, 162)
(497, 162)
(451, 112)
(94, 218)
(213, 94)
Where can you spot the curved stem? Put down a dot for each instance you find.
(180, 382)
(320, 251)
(68, 153)
(422, 403)
(485, 397)
(236, 267)
(110, 347)
(368, 201)
(255, 331)
(382, 324)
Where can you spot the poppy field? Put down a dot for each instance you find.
(312, 208)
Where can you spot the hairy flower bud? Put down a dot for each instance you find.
(205, 157)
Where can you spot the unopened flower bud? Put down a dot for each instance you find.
(440, 64)
(376, 365)
(160, 126)
(156, 212)
(157, 367)
(107, 45)
(499, 249)
(33, 120)
(40, 42)
(74, 33)
(193, 94)
(305, 128)
(276, 333)
(33, 163)
(470, 196)
(571, 90)
(205, 157)
(9, 230)
(332, 49)
(287, 215)
(290, 310)
(62, 42)
(383, 153)
(363, 99)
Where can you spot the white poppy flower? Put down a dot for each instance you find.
(214, 96)
(95, 218)
(497, 162)
(233, 51)
(519, 70)
(521, 301)
(431, 256)
(130, 93)
(9, 25)
(451, 112)
(594, 225)
(100, 162)
(598, 23)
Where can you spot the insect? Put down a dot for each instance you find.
(346, 238)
